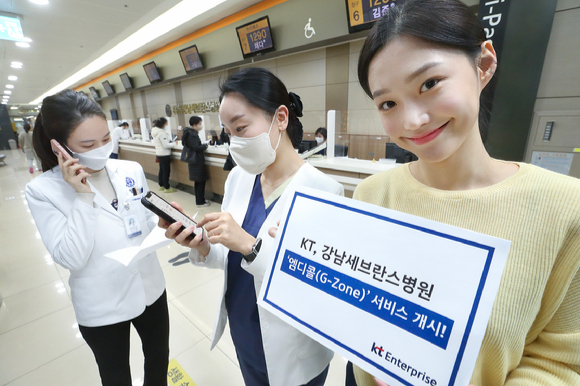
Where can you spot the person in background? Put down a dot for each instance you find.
(229, 163)
(25, 141)
(425, 65)
(74, 206)
(261, 118)
(163, 146)
(214, 141)
(320, 137)
(120, 132)
(196, 159)
(224, 137)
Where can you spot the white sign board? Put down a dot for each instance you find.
(556, 162)
(405, 298)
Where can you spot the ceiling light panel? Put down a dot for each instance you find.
(173, 18)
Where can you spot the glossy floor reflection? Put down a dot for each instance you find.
(40, 343)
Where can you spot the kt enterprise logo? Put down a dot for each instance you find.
(377, 350)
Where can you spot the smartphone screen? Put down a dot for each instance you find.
(170, 210)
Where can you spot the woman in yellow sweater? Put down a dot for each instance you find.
(425, 65)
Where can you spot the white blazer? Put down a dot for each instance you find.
(78, 235)
(292, 358)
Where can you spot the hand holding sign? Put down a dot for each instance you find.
(421, 289)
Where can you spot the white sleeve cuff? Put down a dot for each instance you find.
(87, 198)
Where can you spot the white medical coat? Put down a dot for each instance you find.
(292, 358)
(78, 235)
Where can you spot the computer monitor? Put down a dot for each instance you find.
(255, 37)
(126, 80)
(191, 59)
(108, 88)
(362, 15)
(152, 72)
(94, 92)
(401, 155)
(306, 145)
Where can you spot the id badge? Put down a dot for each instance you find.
(132, 226)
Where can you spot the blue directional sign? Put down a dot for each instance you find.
(10, 29)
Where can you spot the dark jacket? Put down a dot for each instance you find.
(192, 144)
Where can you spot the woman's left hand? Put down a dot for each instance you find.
(222, 229)
(272, 231)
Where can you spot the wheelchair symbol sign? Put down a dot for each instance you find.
(308, 30)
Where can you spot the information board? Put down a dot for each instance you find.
(387, 290)
(363, 13)
(152, 72)
(255, 37)
(190, 58)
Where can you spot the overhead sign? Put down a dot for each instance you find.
(386, 290)
(10, 29)
(255, 37)
(363, 13)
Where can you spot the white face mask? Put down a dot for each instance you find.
(254, 154)
(319, 140)
(95, 159)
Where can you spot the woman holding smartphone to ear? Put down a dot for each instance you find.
(88, 206)
(261, 118)
(425, 65)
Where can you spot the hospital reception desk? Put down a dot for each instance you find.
(349, 172)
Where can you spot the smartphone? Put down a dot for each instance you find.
(168, 213)
(57, 149)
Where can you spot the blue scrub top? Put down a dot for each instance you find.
(241, 294)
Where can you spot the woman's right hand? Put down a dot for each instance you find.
(173, 232)
(69, 171)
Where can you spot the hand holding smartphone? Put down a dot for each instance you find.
(170, 214)
(58, 149)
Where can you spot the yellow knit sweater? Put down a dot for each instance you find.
(533, 335)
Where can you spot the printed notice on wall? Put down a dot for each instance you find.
(556, 162)
(405, 298)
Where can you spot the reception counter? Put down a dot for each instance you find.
(349, 172)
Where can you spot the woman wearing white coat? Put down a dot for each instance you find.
(261, 118)
(85, 208)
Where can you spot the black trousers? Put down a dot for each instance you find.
(110, 345)
(199, 192)
(164, 170)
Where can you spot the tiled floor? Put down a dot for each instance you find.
(40, 343)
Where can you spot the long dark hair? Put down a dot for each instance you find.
(59, 116)
(447, 23)
(265, 91)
